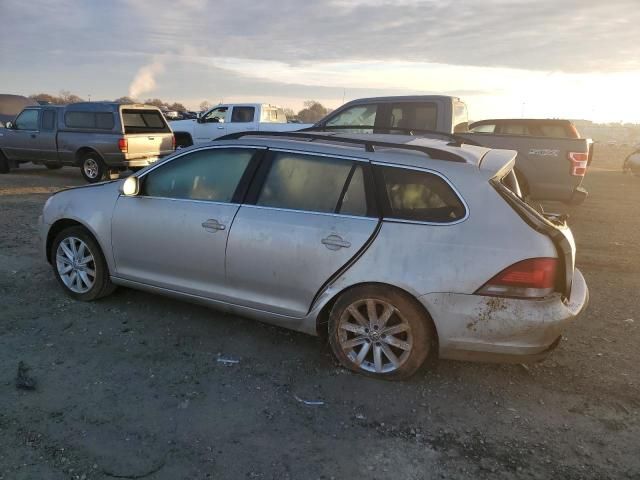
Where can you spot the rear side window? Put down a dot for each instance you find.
(413, 116)
(242, 114)
(48, 119)
(419, 196)
(316, 184)
(143, 121)
(89, 120)
(210, 175)
(273, 115)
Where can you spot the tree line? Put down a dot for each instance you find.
(311, 112)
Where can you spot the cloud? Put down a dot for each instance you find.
(145, 79)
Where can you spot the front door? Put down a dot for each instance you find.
(45, 144)
(310, 217)
(173, 234)
(212, 125)
(19, 141)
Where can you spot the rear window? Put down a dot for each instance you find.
(144, 121)
(420, 196)
(89, 120)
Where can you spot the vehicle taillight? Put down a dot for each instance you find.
(123, 145)
(578, 163)
(173, 142)
(532, 278)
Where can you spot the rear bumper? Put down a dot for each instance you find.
(480, 328)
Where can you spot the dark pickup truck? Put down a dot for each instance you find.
(550, 166)
(102, 138)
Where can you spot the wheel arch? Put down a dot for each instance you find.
(62, 224)
(82, 151)
(322, 319)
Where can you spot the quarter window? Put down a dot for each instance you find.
(48, 119)
(420, 196)
(209, 175)
(89, 120)
(317, 184)
(27, 120)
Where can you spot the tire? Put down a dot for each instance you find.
(93, 167)
(183, 139)
(53, 166)
(4, 164)
(83, 285)
(413, 340)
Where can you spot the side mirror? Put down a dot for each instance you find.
(9, 125)
(131, 186)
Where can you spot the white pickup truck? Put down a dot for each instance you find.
(225, 119)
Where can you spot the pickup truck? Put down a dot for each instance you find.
(548, 168)
(102, 138)
(225, 119)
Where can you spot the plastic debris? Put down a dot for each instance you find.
(313, 403)
(227, 361)
(628, 320)
(23, 380)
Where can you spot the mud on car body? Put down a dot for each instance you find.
(396, 248)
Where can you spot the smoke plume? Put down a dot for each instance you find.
(145, 79)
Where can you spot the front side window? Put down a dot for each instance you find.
(407, 117)
(420, 196)
(242, 114)
(27, 120)
(484, 128)
(208, 175)
(217, 115)
(316, 184)
(356, 116)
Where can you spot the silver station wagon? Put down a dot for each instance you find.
(395, 248)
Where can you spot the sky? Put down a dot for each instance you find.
(576, 59)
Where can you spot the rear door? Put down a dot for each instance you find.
(310, 215)
(174, 234)
(243, 119)
(148, 134)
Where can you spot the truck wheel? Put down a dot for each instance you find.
(183, 140)
(92, 167)
(53, 166)
(4, 164)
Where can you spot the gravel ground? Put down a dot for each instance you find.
(133, 386)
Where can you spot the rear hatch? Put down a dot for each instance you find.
(147, 133)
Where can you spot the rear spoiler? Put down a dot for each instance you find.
(496, 163)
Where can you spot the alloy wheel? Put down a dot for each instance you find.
(91, 168)
(75, 264)
(375, 336)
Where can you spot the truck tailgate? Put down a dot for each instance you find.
(149, 145)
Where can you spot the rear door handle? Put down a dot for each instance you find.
(335, 242)
(212, 225)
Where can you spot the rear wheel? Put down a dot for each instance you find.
(381, 332)
(79, 265)
(93, 167)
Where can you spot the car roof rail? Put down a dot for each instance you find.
(369, 145)
(456, 140)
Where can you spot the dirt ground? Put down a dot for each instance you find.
(133, 387)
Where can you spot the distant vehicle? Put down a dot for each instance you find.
(12, 105)
(99, 137)
(396, 248)
(225, 119)
(551, 128)
(548, 167)
(171, 114)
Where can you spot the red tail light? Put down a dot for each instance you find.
(173, 142)
(123, 145)
(532, 278)
(578, 163)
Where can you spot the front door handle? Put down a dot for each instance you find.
(220, 128)
(335, 242)
(212, 225)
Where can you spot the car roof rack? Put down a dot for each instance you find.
(369, 145)
(455, 140)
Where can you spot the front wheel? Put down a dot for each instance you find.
(381, 332)
(79, 265)
(93, 168)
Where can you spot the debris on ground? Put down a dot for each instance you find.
(313, 403)
(628, 320)
(23, 380)
(227, 361)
